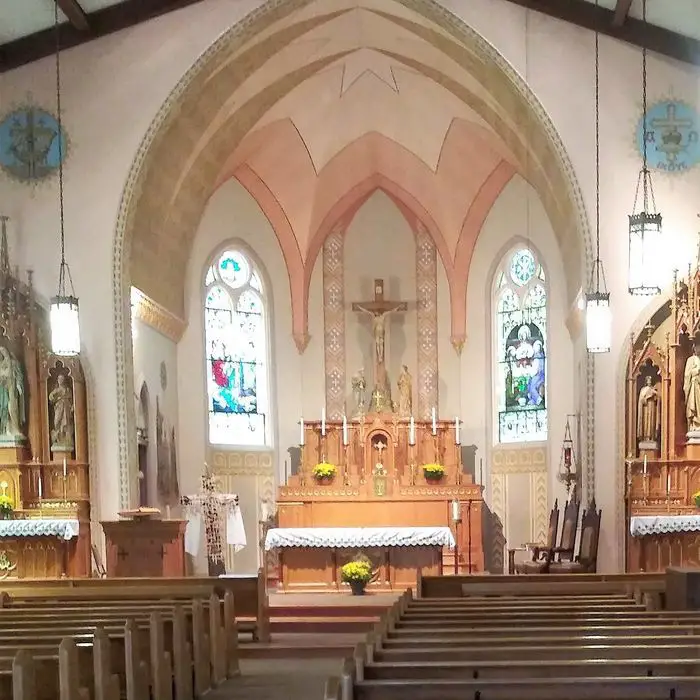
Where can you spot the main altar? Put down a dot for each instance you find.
(662, 434)
(44, 470)
(379, 483)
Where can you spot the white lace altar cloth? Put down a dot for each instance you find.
(641, 525)
(350, 537)
(63, 529)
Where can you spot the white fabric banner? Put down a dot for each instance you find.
(193, 532)
(235, 532)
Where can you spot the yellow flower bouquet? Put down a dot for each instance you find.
(6, 507)
(696, 499)
(433, 472)
(324, 471)
(358, 570)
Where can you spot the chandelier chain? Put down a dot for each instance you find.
(597, 156)
(645, 169)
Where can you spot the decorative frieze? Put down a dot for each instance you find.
(334, 324)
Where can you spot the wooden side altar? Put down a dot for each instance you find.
(380, 482)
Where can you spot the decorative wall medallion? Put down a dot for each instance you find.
(163, 376)
(29, 140)
(673, 136)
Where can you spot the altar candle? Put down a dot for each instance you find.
(668, 484)
(645, 465)
(434, 421)
(481, 471)
(345, 431)
(456, 510)
(412, 432)
(65, 468)
(457, 430)
(323, 421)
(41, 488)
(301, 434)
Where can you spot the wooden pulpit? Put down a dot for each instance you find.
(145, 547)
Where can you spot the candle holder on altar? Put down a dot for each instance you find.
(346, 470)
(302, 463)
(412, 462)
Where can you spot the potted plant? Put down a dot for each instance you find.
(324, 472)
(696, 499)
(357, 573)
(6, 508)
(433, 472)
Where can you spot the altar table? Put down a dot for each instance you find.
(660, 541)
(43, 548)
(311, 558)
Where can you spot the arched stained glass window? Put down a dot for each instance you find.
(235, 327)
(520, 303)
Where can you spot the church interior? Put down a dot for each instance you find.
(349, 328)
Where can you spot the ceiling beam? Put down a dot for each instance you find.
(75, 14)
(102, 22)
(622, 9)
(633, 31)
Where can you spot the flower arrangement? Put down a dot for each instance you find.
(433, 472)
(6, 506)
(324, 470)
(696, 499)
(358, 570)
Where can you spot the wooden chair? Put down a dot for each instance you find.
(540, 552)
(567, 543)
(587, 559)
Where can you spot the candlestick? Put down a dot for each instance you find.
(323, 421)
(668, 484)
(481, 471)
(301, 436)
(412, 432)
(434, 421)
(345, 431)
(457, 442)
(645, 465)
(456, 511)
(65, 468)
(41, 488)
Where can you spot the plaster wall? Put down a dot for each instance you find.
(113, 88)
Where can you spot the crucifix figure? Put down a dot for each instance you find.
(379, 308)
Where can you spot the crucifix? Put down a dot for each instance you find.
(379, 308)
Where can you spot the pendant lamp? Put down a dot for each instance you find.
(598, 316)
(644, 224)
(64, 316)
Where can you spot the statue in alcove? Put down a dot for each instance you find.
(61, 400)
(12, 399)
(691, 388)
(648, 411)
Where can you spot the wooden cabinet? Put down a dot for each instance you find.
(145, 547)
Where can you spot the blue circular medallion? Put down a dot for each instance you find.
(673, 136)
(29, 144)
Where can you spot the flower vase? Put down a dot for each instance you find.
(433, 478)
(358, 587)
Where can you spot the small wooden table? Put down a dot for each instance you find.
(311, 558)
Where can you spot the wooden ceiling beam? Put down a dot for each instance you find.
(633, 31)
(75, 14)
(102, 22)
(622, 9)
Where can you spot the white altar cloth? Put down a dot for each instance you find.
(641, 525)
(64, 529)
(350, 537)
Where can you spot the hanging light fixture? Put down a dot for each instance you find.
(64, 317)
(645, 225)
(598, 316)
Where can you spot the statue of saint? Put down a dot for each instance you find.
(405, 384)
(12, 406)
(648, 412)
(61, 400)
(359, 387)
(691, 388)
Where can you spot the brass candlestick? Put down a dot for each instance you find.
(346, 470)
(412, 460)
(302, 468)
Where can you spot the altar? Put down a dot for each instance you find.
(311, 558)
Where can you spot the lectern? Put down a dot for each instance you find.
(145, 547)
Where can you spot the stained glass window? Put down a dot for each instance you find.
(236, 346)
(521, 348)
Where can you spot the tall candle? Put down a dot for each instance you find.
(481, 471)
(645, 465)
(345, 431)
(41, 488)
(668, 484)
(457, 430)
(434, 421)
(301, 434)
(412, 432)
(65, 468)
(456, 510)
(323, 421)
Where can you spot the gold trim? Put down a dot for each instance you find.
(159, 318)
(519, 460)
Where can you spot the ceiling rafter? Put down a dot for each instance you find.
(633, 31)
(101, 23)
(75, 14)
(622, 10)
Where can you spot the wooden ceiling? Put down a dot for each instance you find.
(83, 26)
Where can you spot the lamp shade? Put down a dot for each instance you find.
(645, 254)
(65, 325)
(598, 322)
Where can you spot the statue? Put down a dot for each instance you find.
(648, 412)
(359, 386)
(12, 406)
(379, 332)
(61, 400)
(691, 389)
(405, 384)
